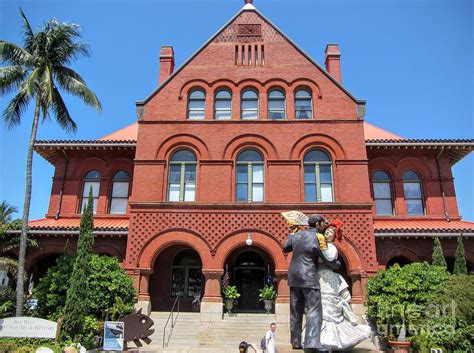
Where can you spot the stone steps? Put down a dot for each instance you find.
(191, 335)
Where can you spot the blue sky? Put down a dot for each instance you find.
(411, 60)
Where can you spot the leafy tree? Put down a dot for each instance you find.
(460, 265)
(400, 295)
(52, 288)
(438, 257)
(450, 321)
(107, 282)
(36, 72)
(76, 299)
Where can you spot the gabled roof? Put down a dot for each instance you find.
(249, 7)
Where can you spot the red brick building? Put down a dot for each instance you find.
(246, 128)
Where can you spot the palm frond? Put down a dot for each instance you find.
(72, 83)
(61, 112)
(16, 108)
(28, 34)
(33, 83)
(11, 77)
(10, 265)
(6, 212)
(13, 54)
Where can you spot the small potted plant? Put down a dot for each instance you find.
(230, 294)
(268, 295)
(401, 345)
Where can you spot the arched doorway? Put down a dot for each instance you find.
(177, 272)
(401, 260)
(250, 270)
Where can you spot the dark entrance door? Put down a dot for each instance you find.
(249, 275)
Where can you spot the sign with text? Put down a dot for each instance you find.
(31, 327)
(113, 336)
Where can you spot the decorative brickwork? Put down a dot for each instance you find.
(248, 26)
(214, 228)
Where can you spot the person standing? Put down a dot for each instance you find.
(270, 339)
(303, 281)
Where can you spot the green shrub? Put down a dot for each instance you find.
(52, 288)
(7, 302)
(438, 256)
(106, 281)
(400, 295)
(460, 265)
(27, 345)
(450, 325)
(76, 308)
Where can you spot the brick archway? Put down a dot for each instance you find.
(260, 240)
(162, 240)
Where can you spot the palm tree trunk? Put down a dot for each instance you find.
(20, 284)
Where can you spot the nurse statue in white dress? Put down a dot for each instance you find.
(339, 330)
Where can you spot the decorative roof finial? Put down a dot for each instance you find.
(248, 2)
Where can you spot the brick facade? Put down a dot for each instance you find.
(216, 226)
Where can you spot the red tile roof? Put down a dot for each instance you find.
(373, 132)
(73, 224)
(130, 132)
(422, 226)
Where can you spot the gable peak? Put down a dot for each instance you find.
(248, 5)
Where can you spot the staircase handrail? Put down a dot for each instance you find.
(173, 322)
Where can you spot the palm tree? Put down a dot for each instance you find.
(6, 212)
(36, 72)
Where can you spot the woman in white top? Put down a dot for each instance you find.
(339, 329)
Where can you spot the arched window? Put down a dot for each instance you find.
(119, 197)
(92, 180)
(382, 188)
(318, 176)
(182, 178)
(186, 274)
(249, 176)
(223, 105)
(413, 194)
(196, 104)
(276, 105)
(303, 104)
(249, 104)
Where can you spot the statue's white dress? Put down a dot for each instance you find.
(339, 329)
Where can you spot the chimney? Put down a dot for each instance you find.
(166, 63)
(333, 61)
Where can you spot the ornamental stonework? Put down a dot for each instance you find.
(214, 227)
(248, 22)
(249, 30)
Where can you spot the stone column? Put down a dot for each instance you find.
(144, 302)
(357, 301)
(282, 304)
(211, 304)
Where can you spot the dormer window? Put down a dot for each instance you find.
(196, 105)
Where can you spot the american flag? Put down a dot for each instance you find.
(225, 279)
